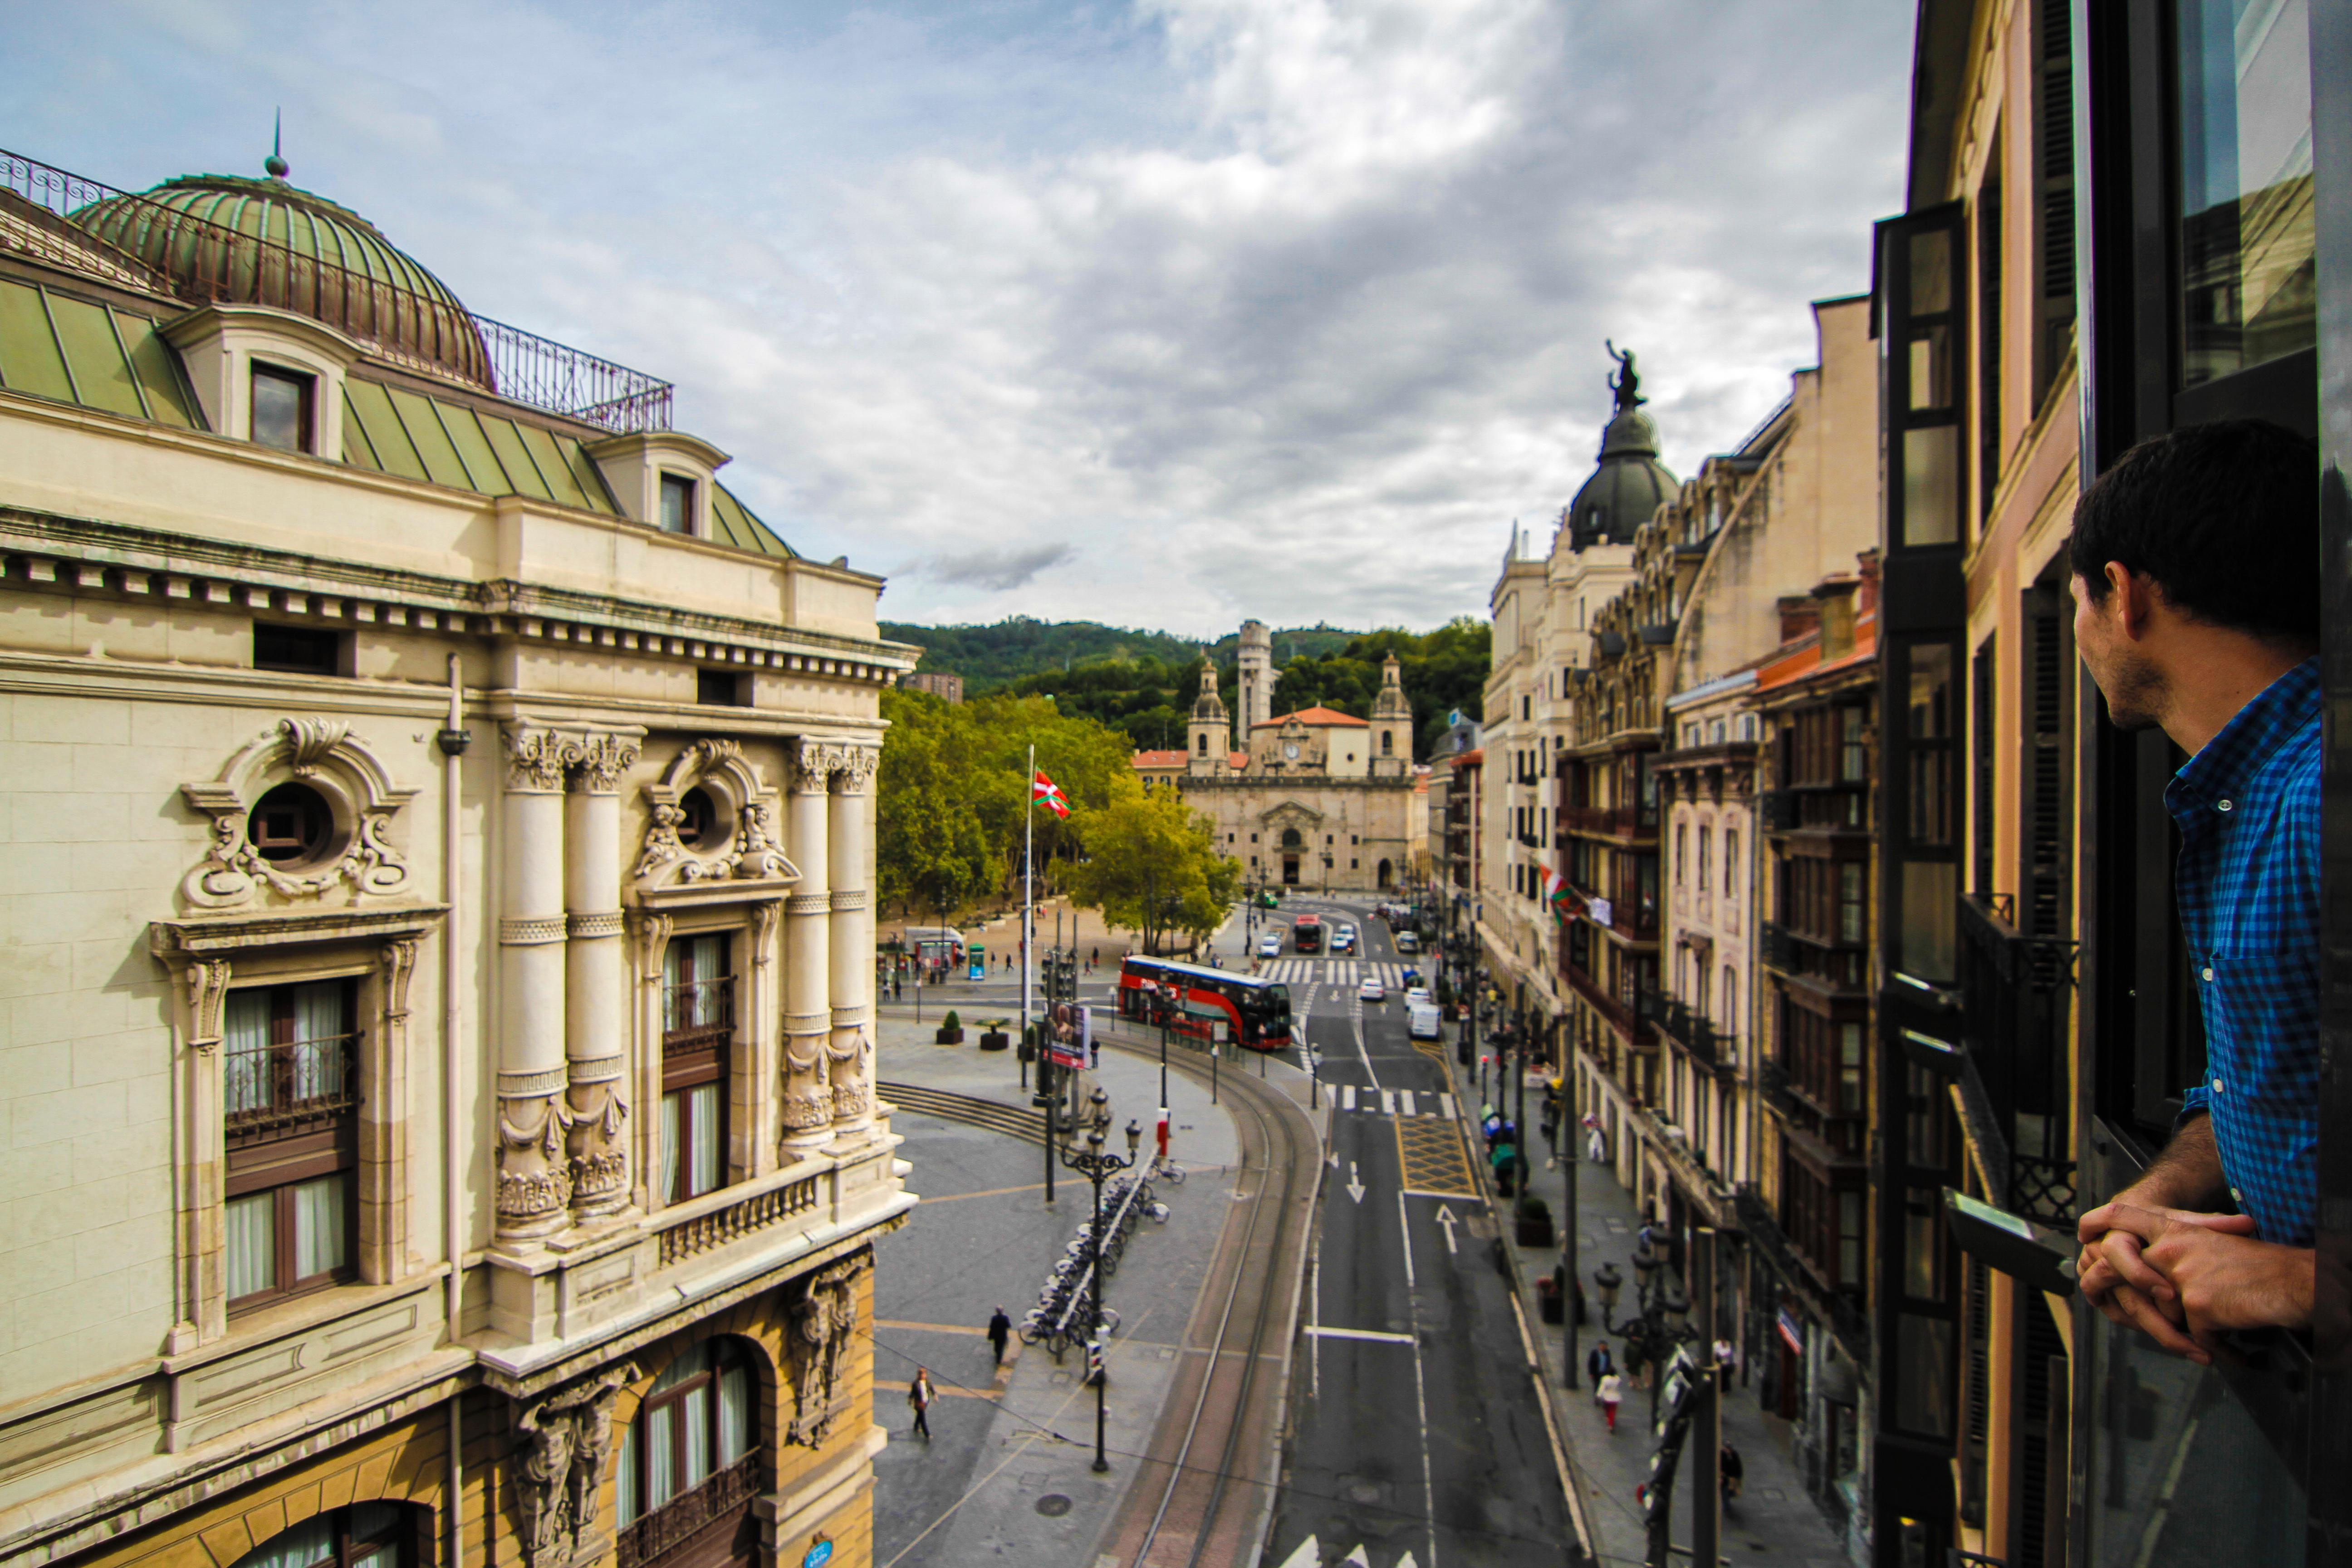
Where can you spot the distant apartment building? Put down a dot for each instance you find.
(949, 687)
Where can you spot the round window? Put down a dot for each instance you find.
(291, 826)
(699, 830)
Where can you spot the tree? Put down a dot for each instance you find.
(931, 850)
(1152, 865)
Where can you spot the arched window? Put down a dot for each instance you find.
(1200, 742)
(365, 1535)
(1388, 743)
(698, 1422)
(1290, 838)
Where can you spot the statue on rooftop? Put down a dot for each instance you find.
(1626, 383)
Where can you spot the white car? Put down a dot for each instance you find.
(1418, 997)
(1344, 939)
(1372, 991)
(1269, 947)
(1407, 942)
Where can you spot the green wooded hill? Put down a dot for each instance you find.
(990, 656)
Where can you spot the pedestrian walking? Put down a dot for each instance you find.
(1734, 1471)
(1598, 1364)
(1000, 1332)
(1596, 1147)
(1611, 1391)
(918, 1395)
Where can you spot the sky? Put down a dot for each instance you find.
(1163, 313)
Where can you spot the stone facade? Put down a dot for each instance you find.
(1317, 799)
(440, 951)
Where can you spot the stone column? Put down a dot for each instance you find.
(596, 993)
(848, 852)
(534, 1185)
(808, 918)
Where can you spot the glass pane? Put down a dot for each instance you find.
(661, 1458)
(375, 1521)
(245, 1029)
(704, 1115)
(1931, 486)
(322, 1233)
(1923, 1400)
(734, 1414)
(625, 1484)
(312, 1540)
(673, 1119)
(694, 1411)
(318, 1012)
(277, 411)
(1931, 368)
(1922, 1244)
(685, 1366)
(1931, 272)
(1930, 920)
(251, 1226)
(2246, 193)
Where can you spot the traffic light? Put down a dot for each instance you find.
(1093, 1360)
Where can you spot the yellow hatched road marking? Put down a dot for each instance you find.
(1430, 1151)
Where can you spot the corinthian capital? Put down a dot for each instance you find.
(538, 759)
(813, 764)
(856, 766)
(601, 760)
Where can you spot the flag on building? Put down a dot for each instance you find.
(1555, 894)
(1044, 791)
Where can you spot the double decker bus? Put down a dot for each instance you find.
(1192, 998)
(1306, 936)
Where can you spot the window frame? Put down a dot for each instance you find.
(277, 1162)
(689, 489)
(695, 1056)
(305, 385)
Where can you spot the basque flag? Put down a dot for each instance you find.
(1555, 894)
(1044, 791)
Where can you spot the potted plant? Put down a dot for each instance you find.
(994, 1037)
(951, 1029)
(1533, 1222)
(1028, 1042)
(1547, 1298)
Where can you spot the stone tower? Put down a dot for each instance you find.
(1210, 737)
(1392, 740)
(1258, 677)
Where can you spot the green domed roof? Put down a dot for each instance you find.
(1628, 488)
(265, 242)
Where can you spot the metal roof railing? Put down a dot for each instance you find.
(212, 262)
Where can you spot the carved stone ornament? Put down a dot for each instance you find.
(532, 1180)
(814, 762)
(848, 1070)
(537, 760)
(359, 795)
(601, 761)
(567, 1438)
(751, 852)
(825, 1320)
(856, 766)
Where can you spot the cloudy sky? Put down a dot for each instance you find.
(1163, 312)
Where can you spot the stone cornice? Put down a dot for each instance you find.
(154, 566)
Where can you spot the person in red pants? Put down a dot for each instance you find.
(1613, 1390)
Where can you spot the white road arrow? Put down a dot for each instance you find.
(1309, 1555)
(1335, 1159)
(1446, 1218)
(1406, 1562)
(1355, 1187)
(1356, 1559)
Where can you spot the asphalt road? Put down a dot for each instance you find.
(1416, 1424)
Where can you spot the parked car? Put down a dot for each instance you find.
(1269, 946)
(1407, 942)
(1344, 939)
(1372, 991)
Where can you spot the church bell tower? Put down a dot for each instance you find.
(1209, 739)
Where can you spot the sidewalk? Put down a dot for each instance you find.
(1774, 1521)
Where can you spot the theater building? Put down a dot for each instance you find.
(438, 1044)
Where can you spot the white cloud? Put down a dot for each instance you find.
(1169, 315)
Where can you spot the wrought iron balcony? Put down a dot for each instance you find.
(1801, 1273)
(2012, 1008)
(684, 1519)
(1688, 1028)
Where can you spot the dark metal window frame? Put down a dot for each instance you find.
(276, 1153)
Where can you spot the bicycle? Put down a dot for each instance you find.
(1169, 1171)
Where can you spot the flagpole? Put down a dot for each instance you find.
(1028, 840)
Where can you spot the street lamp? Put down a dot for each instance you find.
(1095, 1163)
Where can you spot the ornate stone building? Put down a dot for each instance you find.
(440, 1057)
(1316, 799)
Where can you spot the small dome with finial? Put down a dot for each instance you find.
(275, 163)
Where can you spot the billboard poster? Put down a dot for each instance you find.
(1070, 1036)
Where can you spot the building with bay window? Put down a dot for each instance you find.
(440, 1052)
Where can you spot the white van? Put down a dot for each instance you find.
(1421, 1021)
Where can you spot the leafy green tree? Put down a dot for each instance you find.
(931, 855)
(1153, 866)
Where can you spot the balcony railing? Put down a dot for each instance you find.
(215, 263)
(683, 1519)
(1616, 821)
(697, 1014)
(1692, 1029)
(1839, 966)
(1801, 1273)
(704, 1232)
(271, 1087)
(2013, 1003)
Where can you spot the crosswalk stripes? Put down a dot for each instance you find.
(1344, 973)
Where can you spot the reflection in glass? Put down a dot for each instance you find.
(1923, 1400)
(1930, 920)
(1931, 272)
(1931, 368)
(2246, 235)
(1931, 485)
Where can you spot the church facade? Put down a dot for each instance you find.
(1315, 799)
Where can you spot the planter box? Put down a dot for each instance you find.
(949, 1037)
(1535, 1230)
(995, 1040)
(1549, 1301)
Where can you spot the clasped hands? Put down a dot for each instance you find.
(2183, 1278)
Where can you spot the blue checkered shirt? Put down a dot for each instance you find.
(2248, 888)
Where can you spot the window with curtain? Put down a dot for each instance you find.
(697, 1421)
(697, 1038)
(290, 1135)
(365, 1536)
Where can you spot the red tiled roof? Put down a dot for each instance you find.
(1315, 718)
(1238, 761)
(1160, 758)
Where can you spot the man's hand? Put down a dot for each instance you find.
(2115, 1275)
(2209, 1277)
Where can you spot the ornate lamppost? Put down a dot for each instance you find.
(1663, 1318)
(1095, 1165)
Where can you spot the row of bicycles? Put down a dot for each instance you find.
(1058, 1320)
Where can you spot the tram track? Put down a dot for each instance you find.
(1200, 1489)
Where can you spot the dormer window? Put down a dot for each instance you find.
(282, 401)
(677, 504)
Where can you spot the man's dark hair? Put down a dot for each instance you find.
(2223, 516)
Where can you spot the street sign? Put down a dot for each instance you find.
(819, 1553)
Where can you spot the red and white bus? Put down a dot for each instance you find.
(1307, 936)
(1194, 998)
